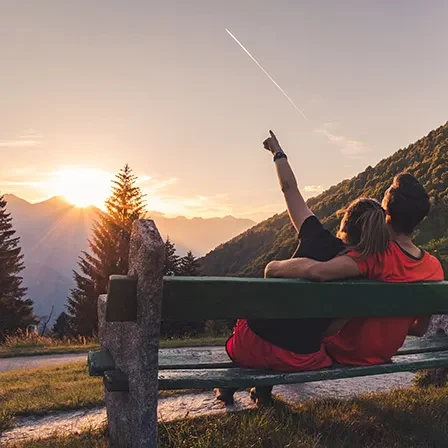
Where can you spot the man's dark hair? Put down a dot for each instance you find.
(406, 202)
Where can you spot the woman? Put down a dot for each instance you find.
(296, 344)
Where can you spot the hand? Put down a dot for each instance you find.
(272, 144)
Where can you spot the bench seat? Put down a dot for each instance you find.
(208, 367)
(216, 357)
(207, 378)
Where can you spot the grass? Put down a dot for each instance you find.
(6, 420)
(401, 418)
(37, 345)
(39, 391)
(48, 389)
(31, 345)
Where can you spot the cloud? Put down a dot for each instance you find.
(158, 185)
(31, 134)
(20, 143)
(21, 184)
(144, 179)
(313, 189)
(347, 147)
(28, 139)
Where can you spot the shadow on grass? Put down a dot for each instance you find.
(401, 418)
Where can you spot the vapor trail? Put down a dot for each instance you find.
(266, 73)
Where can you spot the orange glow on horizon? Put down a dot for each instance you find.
(82, 187)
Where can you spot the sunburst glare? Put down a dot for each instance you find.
(82, 187)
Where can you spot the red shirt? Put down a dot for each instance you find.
(374, 340)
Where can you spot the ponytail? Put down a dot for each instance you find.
(364, 228)
(374, 233)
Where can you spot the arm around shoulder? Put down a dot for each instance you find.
(337, 268)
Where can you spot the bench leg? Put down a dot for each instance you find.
(261, 395)
(225, 395)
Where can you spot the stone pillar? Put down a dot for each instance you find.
(134, 346)
(437, 326)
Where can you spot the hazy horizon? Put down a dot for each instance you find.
(88, 87)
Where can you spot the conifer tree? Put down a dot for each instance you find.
(16, 312)
(172, 261)
(109, 250)
(63, 326)
(189, 265)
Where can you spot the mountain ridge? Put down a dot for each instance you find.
(275, 238)
(53, 233)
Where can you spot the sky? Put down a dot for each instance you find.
(87, 87)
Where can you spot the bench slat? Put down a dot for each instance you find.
(422, 345)
(216, 357)
(244, 378)
(200, 298)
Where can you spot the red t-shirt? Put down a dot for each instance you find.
(374, 340)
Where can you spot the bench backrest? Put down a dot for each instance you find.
(201, 298)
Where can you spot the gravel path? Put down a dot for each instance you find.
(194, 405)
(33, 362)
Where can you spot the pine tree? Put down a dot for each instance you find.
(172, 261)
(16, 312)
(63, 326)
(109, 250)
(189, 265)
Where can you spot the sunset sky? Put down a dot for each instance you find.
(87, 86)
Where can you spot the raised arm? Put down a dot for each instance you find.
(297, 208)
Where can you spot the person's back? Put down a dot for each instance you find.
(365, 341)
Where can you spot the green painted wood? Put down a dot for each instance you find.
(116, 381)
(100, 361)
(193, 358)
(121, 305)
(244, 378)
(216, 357)
(199, 298)
(414, 345)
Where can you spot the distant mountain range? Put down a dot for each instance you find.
(427, 159)
(53, 233)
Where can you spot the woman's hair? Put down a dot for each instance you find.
(364, 227)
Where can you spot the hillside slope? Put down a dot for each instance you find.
(427, 159)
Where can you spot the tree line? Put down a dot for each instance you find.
(107, 254)
(247, 254)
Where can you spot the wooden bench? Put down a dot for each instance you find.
(129, 320)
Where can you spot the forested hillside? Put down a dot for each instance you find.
(427, 159)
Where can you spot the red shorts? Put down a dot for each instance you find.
(247, 349)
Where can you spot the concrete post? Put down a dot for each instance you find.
(438, 325)
(134, 346)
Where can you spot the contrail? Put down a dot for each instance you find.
(266, 73)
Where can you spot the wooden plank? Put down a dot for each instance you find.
(100, 361)
(121, 305)
(244, 378)
(216, 357)
(199, 298)
(414, 345)
(193, 358)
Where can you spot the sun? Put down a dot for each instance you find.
(82, 187)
